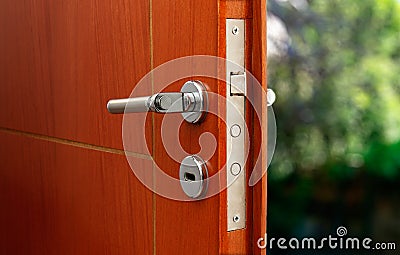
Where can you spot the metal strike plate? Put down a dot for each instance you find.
(235, 120)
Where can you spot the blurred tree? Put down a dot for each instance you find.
(335, 67)
(338, 85)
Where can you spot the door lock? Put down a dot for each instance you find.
(191, 101)
(193, 176)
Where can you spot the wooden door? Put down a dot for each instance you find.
(65, 183)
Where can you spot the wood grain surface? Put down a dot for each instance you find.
(62, 60)
(65, 184)
(61, 199)
(259, 70)
(190, 29)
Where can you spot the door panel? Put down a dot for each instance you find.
(61, 199)
(62, 60)
(65, 184)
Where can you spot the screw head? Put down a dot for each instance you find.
(235, 30)
(165, 102)
(236, 218)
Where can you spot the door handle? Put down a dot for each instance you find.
(191, 101)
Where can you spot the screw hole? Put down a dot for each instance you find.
(235, 30)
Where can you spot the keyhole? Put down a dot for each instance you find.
(189, 177)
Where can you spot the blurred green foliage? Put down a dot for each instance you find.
(338, 88)
(337, 109)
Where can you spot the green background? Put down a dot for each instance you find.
(337, 160)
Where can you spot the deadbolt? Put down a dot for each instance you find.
(193, 176)
(191, 101)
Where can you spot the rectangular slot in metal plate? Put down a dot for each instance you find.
(235, 120)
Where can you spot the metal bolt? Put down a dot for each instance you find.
(271, 97)
(236, 218)
(235, 30)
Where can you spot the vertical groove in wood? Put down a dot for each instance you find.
(153, 169)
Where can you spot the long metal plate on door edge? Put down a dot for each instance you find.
(235, 121)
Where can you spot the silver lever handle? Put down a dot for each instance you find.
(138, 104)
(161, 102)
(191, 102)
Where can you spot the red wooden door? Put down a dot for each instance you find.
(65, 183)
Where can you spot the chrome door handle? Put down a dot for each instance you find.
(191, 101)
